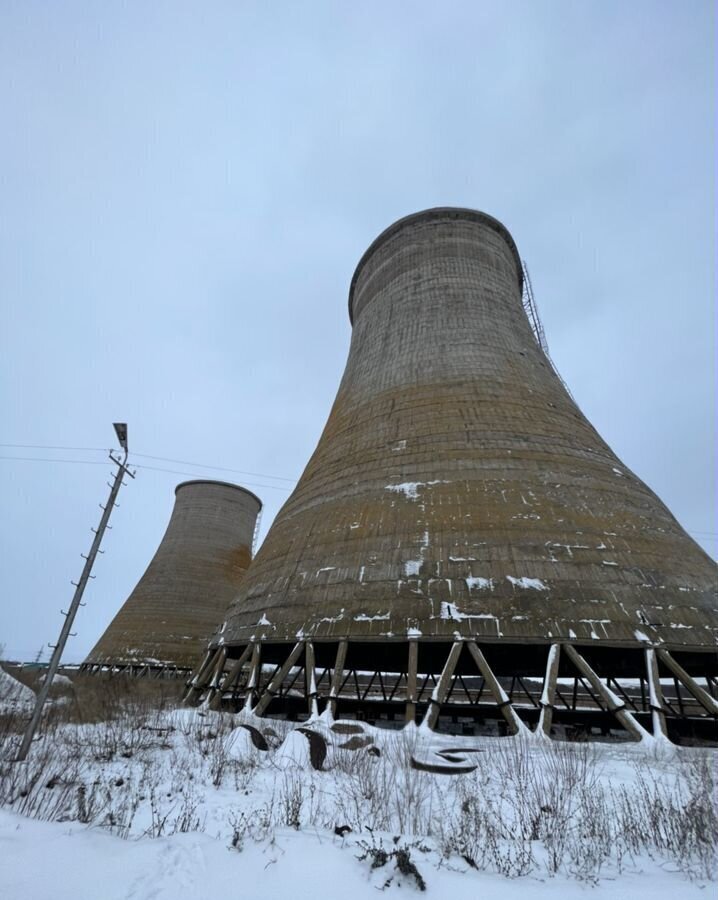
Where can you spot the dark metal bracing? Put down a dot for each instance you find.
(581, 691)
(137, 670)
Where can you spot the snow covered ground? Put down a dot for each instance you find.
(69, 861)
(177, 803)
(14, 696)
(59, 679)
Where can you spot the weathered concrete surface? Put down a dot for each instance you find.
(196, 571)
(457, 490)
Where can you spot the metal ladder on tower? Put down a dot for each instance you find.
(531, 309)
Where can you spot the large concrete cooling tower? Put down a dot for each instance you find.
(463, 544)
(181, 599)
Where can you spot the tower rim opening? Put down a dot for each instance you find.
(426, 215)
(227, 484)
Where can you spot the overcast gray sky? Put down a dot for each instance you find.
(186, 188)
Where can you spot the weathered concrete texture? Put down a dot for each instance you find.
(180, 600)
(457, 490)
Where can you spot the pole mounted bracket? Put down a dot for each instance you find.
(122, 464)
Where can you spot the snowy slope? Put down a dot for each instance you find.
(156, 804)
(70, 862)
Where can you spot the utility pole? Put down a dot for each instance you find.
(122, 470)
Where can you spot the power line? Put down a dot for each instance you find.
(275, 487)
(92, 462)
(182, 462)
(185, 462)
(81, 462)
(49, 447)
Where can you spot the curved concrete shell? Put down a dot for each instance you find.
(458, 493)
(180, 600)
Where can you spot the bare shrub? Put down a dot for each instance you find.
(400, 855)
(364, 785)
(531, 803)
(100, 697)
(257, 825)
(187, 818)
(291, 799)
(677, 817)
(477, 830)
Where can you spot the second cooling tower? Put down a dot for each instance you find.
(194, 575)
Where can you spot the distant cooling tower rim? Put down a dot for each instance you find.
(436, 213)
(227, 484)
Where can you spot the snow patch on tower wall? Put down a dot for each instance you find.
(410, 489)
(534, 584)
(475, 583)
